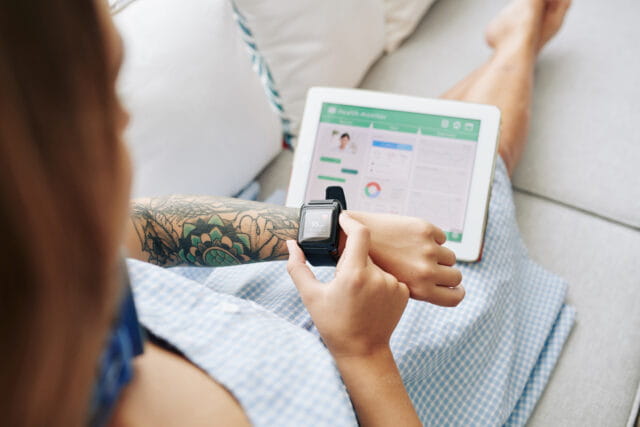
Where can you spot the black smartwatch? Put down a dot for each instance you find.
(319, 230)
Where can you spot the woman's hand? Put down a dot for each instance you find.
(358, 310)
(411, 249)
(355, 314)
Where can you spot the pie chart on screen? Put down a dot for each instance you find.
(372, 190)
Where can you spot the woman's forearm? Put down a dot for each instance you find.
(209, 231)
(376, 390)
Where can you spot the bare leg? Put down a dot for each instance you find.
(506, 80)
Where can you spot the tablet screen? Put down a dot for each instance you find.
(396, 162)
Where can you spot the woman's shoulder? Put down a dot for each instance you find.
(169, 390)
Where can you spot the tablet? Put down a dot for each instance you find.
(429, 158)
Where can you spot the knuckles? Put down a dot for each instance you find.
(404, 290)
(421, 294)
(429, 251)
(423, 228)
(374, 279)
(363, 232)
(427, 231)
(425, 272)
(355, 277)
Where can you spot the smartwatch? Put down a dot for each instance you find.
(319, 230)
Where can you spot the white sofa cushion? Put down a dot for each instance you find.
(308, 43)
(400, 19)
(597, 375)
(201, 122)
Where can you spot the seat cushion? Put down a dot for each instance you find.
(400, 20)
(583, 146)
(595, 381)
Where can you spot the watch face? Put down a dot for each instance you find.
(317, 225)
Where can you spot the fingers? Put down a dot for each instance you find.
(445, 256)
(438, 284)
(356, 250)
(300, 273)
(406, 292)
(439, 235)
(447, 297)
(388, 277)
(448, 292)
(447, 276)
(393, 282)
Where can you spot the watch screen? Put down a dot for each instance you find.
(317, 225)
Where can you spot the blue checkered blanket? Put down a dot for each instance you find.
(482, 363)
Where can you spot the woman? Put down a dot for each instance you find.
(64, 189)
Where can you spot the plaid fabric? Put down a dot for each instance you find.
(483, 363)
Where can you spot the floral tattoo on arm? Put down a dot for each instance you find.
(212, 231)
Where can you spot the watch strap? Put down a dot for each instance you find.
(322, 260)
(336, 193)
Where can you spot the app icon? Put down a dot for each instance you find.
(444, 123)
(454, 237)
(372, 190)
(468, 127)
(457, 125)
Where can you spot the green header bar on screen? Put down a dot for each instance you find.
(401, 121)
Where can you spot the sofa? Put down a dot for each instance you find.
(577, 189)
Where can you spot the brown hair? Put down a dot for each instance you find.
(58, 246)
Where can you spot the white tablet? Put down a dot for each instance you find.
(428, 158)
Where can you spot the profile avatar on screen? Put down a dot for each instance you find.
(344, 144)
(344, 140)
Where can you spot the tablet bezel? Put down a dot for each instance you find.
(469, 249)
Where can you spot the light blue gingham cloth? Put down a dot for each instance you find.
(482, 363)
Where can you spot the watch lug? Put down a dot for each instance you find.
(336, 192)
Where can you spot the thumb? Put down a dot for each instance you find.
(300, 273)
